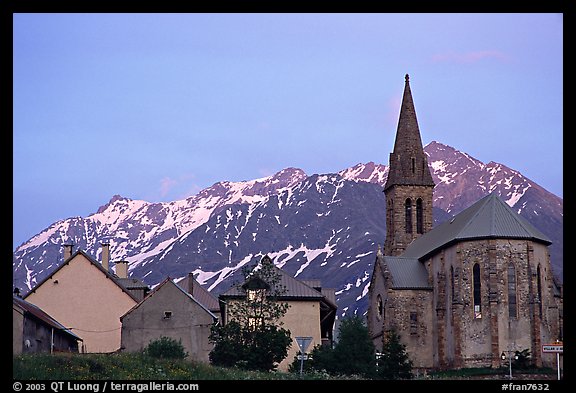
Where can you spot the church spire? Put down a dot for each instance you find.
(409, 186)
(408, 163)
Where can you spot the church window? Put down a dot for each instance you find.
(539, 288)
(512, 308)
(379, 307)
(477, 291)
(408, 212)
(452, 283)
(419, 217)
(413, 165)
(413, 322)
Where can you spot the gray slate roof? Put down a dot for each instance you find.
(490, 217)
(169, 281)
(201, 294)
(406, 273)
(295, 289)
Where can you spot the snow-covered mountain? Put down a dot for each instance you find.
(324, 227)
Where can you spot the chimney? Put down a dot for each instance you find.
(191, 283)
(106, 256)
(67, 251)
(122, 269)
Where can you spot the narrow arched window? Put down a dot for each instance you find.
(419, 216)
(512, 307)
(539, 288)
(452, 290)
(379, 307)
(477, 291)
(408, 212)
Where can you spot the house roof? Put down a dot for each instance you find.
(406, 273)
(40, 314)
(490, 217)
(294, 289)
(168, 281)
(201, 294)
(118, 281)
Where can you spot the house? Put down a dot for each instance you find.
(467, 291)
(173, 312)
(88, 298)
(311, 312)
(33, 330)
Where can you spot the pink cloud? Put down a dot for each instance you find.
(469, 57)
(166, 184)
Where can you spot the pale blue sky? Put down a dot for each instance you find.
(159, 106)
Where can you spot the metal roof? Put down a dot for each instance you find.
(294, 289)
(168, 281)
(490, 217)
(406, 273)
(201, 294)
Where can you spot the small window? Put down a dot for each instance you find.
(413, 165)
(167, 314)
(256, 295)
(379, 307)
(413, 322)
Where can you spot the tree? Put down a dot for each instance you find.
(353, 354)
(254, 338)
(393, 362)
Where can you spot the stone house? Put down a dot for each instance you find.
(468, 290)
(311, 312)
(169, 311)
(33, 330)
(88, 298)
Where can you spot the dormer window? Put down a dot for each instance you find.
(256, 295)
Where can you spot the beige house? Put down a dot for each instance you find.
(89, 299)
(170, 311)
(311, 312)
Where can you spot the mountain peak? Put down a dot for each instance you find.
(113, 200)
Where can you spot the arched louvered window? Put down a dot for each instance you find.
(419, 217)
(408, 212)
(477, 291)
(512, 307)
(539, 288)
(452, 289)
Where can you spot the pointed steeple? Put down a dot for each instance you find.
(408, 163)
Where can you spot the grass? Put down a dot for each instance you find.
(126, 366)
(138, 366)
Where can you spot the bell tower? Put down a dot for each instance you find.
(409, 185)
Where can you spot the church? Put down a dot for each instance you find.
(467, 291)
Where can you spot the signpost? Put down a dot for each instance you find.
(556, 348)
(303, 343)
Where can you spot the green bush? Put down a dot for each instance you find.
(166, 348)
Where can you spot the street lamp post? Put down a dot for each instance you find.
(503, 357)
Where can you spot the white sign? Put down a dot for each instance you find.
(303, 343)
(553, 348)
